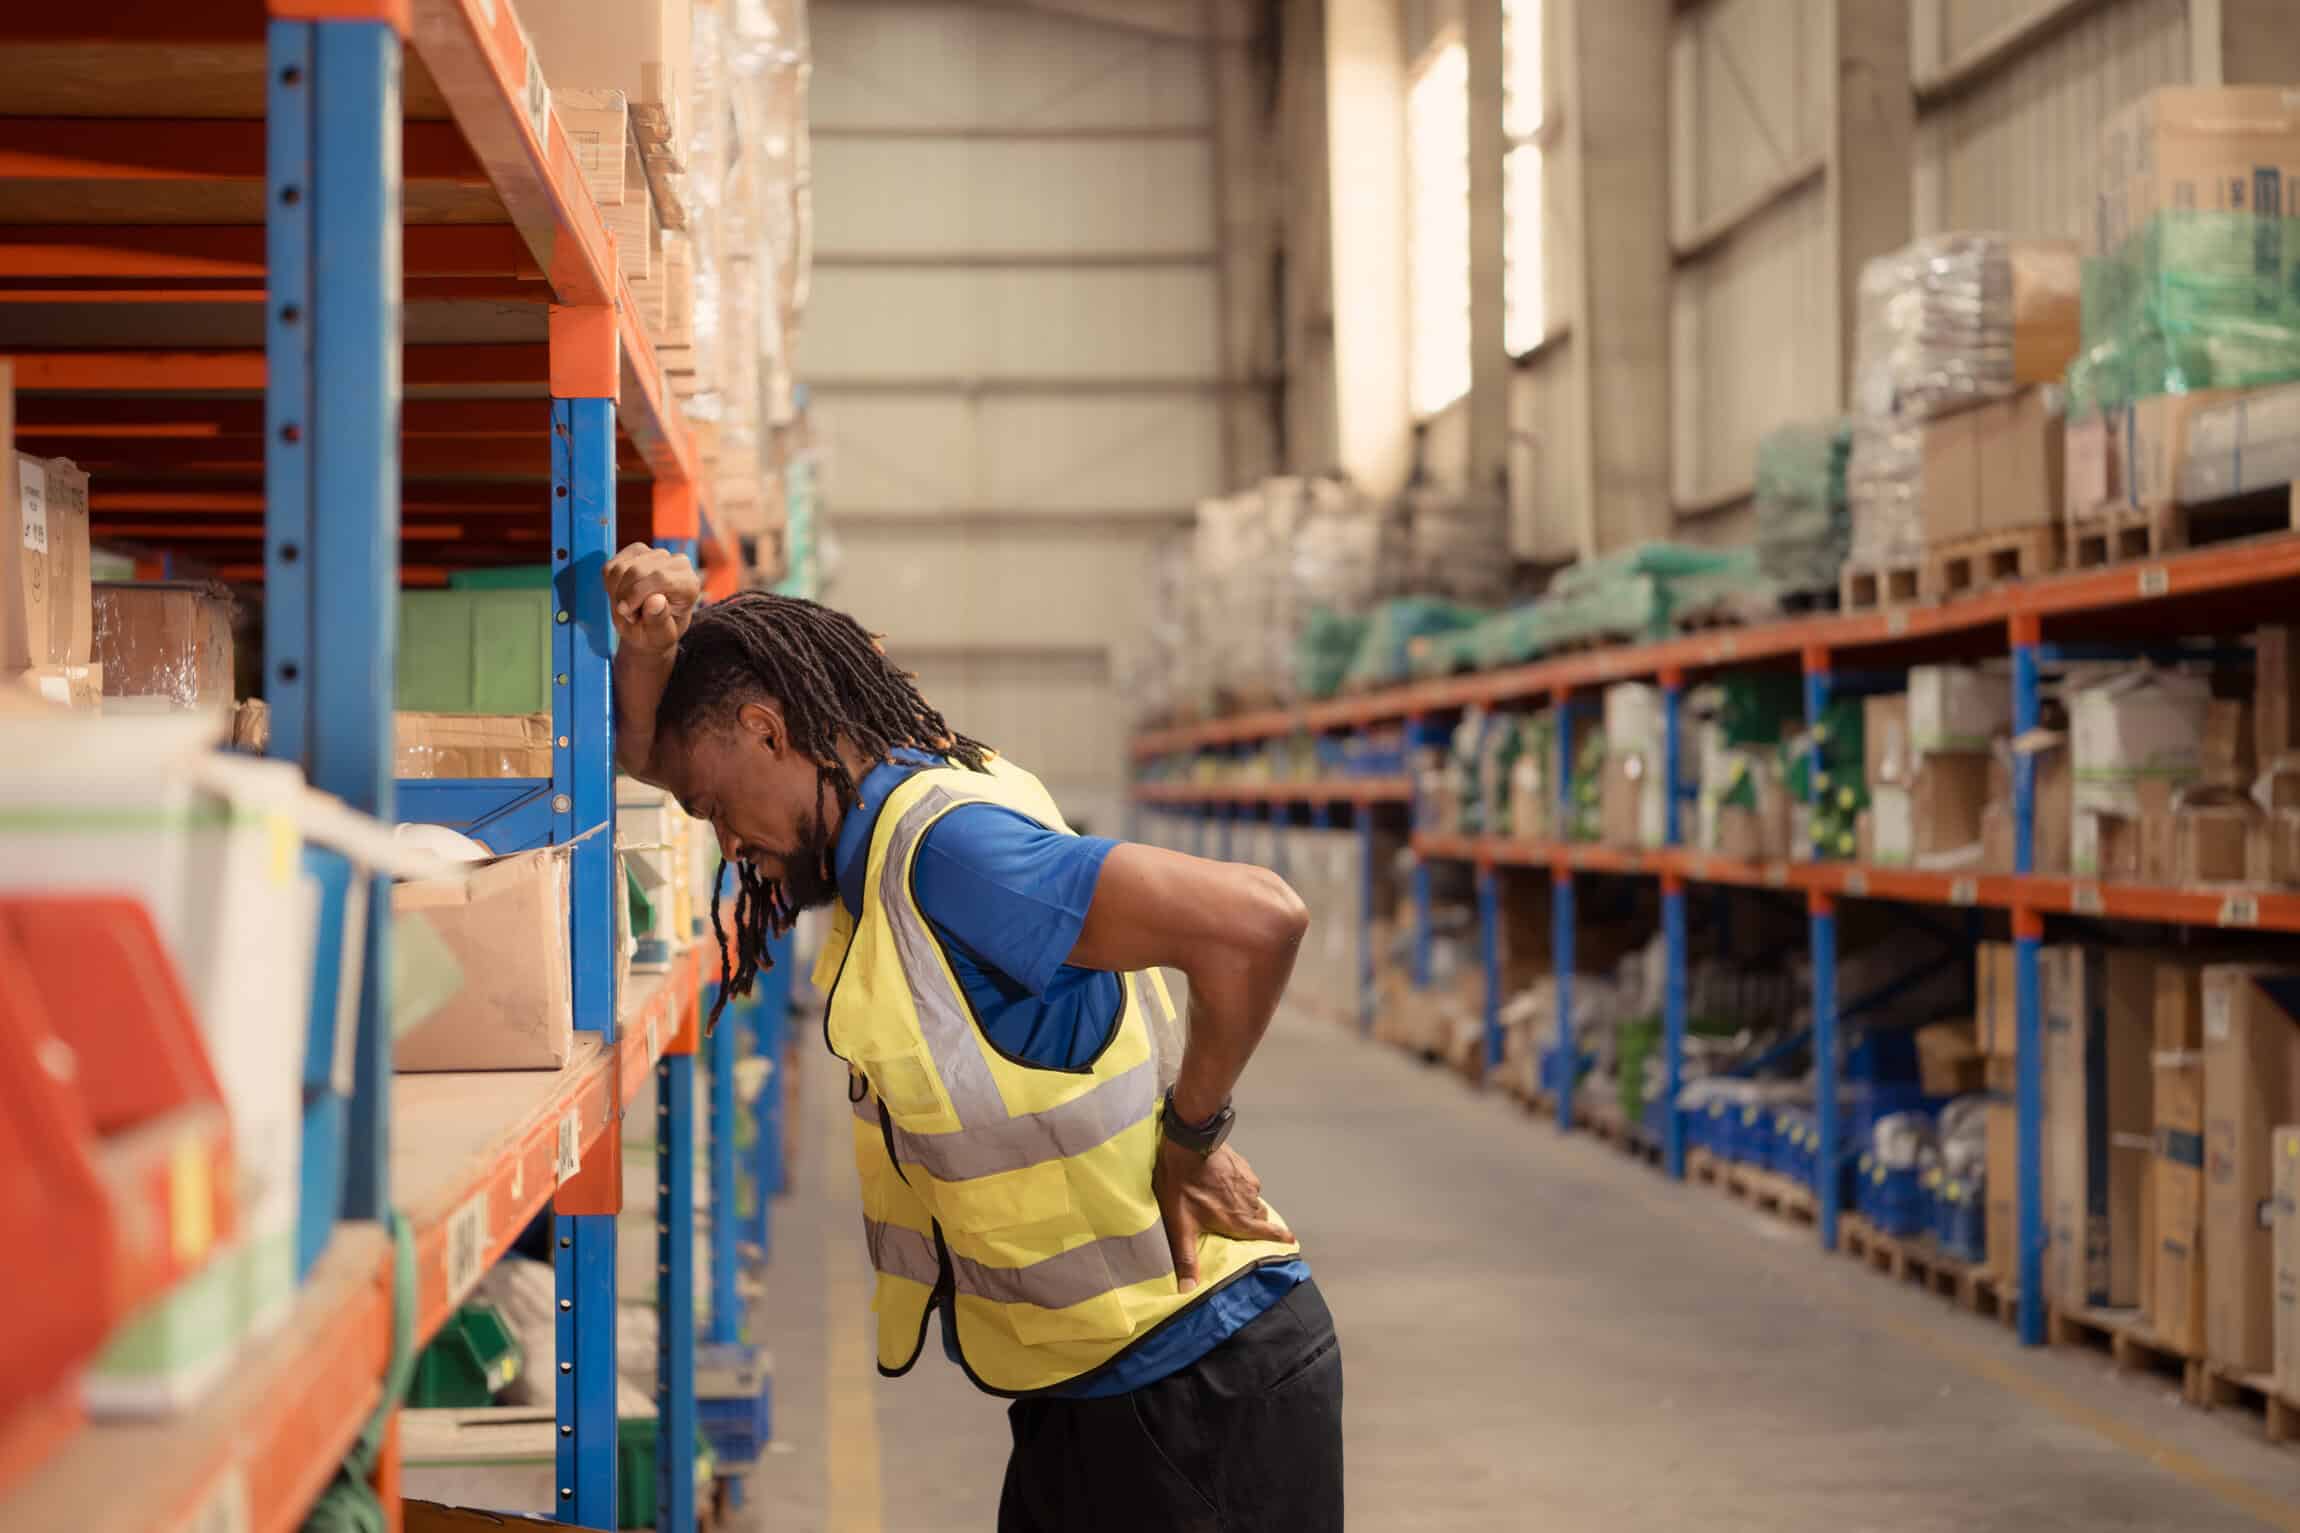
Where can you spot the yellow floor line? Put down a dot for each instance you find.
(850, 1408)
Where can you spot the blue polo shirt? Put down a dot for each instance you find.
(1007, 898)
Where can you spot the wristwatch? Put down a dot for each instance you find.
(1198, 1138)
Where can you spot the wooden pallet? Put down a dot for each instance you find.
(1772, 1193)
(1965, 566)
(2120, 534)
(1922, 1262)
(1865, 587)
(2125, 1336)
(2221, 1388)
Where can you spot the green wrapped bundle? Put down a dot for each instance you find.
(1804, 524)
(1329, 641)
(2195, 300)
(1385, 653)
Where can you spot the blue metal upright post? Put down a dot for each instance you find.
(1672, 927)
(1821, 912)
(2028, 1017)
(583, 813)
(1418, 879)
(675, 1292)
(1489, 934)
(726, 1230)
(331, 477)
(1365, 825)
(1567, 1066)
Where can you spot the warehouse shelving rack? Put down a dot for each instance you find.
(2222, 588)
(259, 262)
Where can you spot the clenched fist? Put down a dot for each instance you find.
(652, 595)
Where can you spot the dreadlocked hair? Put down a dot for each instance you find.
(834, 683)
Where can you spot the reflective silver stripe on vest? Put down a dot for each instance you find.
(948, 1030)
(1079, 1274)
(1078, 1125)
(901, 1252)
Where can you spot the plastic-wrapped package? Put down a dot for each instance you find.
(2195, 300)
(1455, 546)
(1804, 523)
(1387, 652)
(1958, 318)
(1881, 490)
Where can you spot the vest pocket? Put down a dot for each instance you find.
(904, 1082)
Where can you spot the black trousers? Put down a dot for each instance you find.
(1247, 1439)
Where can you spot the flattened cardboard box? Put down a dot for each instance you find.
(2251, 1088)
(170, 641)
(44, 598)
(432, 745)
(507, 929)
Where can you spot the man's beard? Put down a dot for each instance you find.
(808, 883)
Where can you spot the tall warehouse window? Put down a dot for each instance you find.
(1437, 224)
(1525, 121)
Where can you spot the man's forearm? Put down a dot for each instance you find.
(1232, 999)
(640, 676)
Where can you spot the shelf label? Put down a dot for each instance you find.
(466, 1247)
(1730, 647)
(2085, 900)
(654, 1036)
(191, 1203)
(519, 1181)
(32, 501)
(1897, 621)
(2240, 910)
(1697, 869)
(570, 1157)
(226, 1508)
(538, 96)
(1857, 882)
(1964, 891)
(1776, 875)
(2155, 580)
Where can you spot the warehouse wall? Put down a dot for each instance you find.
(1027, 338)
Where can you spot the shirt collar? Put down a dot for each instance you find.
(851, 857)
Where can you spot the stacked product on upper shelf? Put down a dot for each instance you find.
(1954, 471)
(1804, 524)
(689, 117)
(2189, 300)
(1746, 724)
(1929, 755)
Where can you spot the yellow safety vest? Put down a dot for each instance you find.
(1017, 1195)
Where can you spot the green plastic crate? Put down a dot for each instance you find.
(475, 651)
(473, 1356)
(637, 1495)
(506, 577)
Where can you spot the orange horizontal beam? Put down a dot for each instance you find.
(1330, 790)
(215, 453)
(98, 415)
(243, 371)
(194, 149)
(252, 293)
(135, 21)
(205, 252)
(187, 530)
(194, 497)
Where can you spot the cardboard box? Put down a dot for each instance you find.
(2214, 832)
(1886, 757)
(2275, 692)
(2176, 1253)
(2251, 1087)
(77, 687)
(507, 930)
(2054, 809)
(2019, 460)
(2200, 148)
(431, 1517)
(2155, 432)
(1996, 999)
(2001, 1188)
(44, 597)
(165, 643)
(2284, 1152)
(2092, 471)
(2129, 844)
(2099, 1022)
(2047, 296)
(1959, 708)
(639, 47)
(1936, 819)
(2227, 747)
(431, 745)
(1949, 477)
(2140, 723)
(1949, 1059)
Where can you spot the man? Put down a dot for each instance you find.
(1093, 1249)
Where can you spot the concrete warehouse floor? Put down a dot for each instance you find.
(1538, 1333)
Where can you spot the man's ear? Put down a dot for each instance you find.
(765, 725)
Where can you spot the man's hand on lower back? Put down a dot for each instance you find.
(1215, 1194)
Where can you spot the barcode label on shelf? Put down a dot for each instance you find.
(1964, 891)
(1897, 621)
(32, 501)
(1776, 875)
(466, 1247)
(2240, 910)
(2085, 900)
(1730, 647)
(1857, 882)
(226, 1508)
(519, 1181)
(1697, 869)
(2155, 580)
(570, 1158)
(654, 1037)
